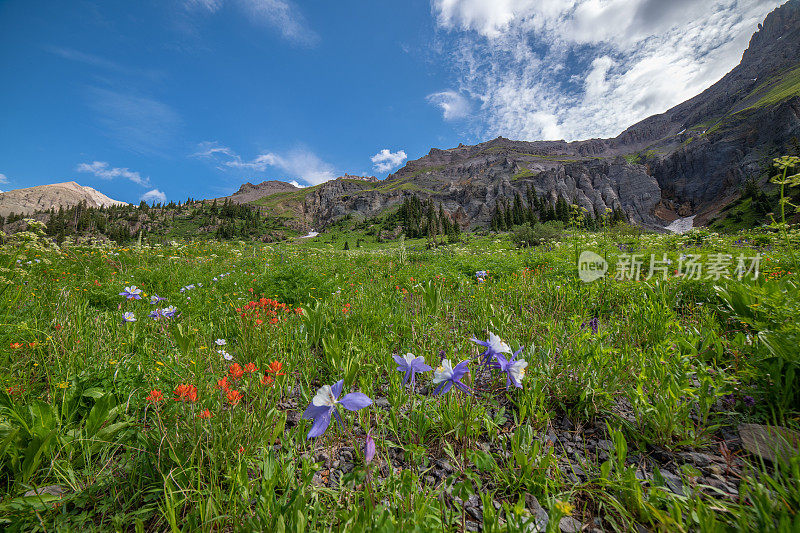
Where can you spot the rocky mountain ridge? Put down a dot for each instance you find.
(690, 160)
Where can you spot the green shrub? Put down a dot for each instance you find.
(527, 235)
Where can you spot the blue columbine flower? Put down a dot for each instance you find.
(132, 293)
(324, 404)
(514, 368)
(410, 365)
(155, 298)
(169, 312)
(155, 314)
(128, 317)
(494, 345)
(447, 375)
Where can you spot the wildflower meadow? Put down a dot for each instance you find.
(475, 386)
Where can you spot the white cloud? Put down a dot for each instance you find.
(212, 6)
(588, 68)
(282, 15)
(385, 160)
(103, 170)
(296, 184)
(154, 196)
(299, 163)
(453, 105)
(3, 179)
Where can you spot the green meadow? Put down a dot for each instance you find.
(131, 413)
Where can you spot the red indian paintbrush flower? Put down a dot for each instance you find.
(275, 367)
(205, 413)
(185, 392)
(236, 371)
(234, 397)
(155, 396)
(250, 367)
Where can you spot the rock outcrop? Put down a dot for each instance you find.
(249, 193)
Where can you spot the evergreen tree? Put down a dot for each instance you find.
(562, 210)
(518, 214)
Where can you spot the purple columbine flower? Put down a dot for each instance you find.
(155, 314)
(494, 345)
(128, 317)
(749, 401)
(514, 368)
(169, 312)
(369, 448)
(324, 404)
(447, 375)
(155, 298)
(132, 293)
(410, 365)
(591, 324)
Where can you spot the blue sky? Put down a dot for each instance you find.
(175, 98)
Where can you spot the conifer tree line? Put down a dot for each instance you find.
(424, 219)
(535, 209)
(223, 220)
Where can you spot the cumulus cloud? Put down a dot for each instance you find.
(297, 184)
(299, 163)
(3, 179)
(575, 69)
(103, 170)
(386, 160)
(282, 15)
(154, 196)
(453, 105)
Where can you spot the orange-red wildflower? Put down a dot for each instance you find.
(236, 371)
(223, 384)
(234, 397)
(275, 367)
(16, 345)
(155, 396)
(266, 379)
(185, 392)
(250, 367)
(205, 413)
